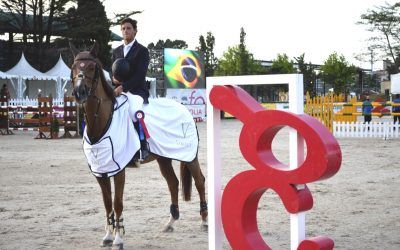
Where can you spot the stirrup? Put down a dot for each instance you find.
(143, 154)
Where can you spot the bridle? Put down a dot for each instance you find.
(91, 91)
(81, 76)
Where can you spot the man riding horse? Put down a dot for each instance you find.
(133, 60)
(110, 141)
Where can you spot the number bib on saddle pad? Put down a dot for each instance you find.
(119, 144)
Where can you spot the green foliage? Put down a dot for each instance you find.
(309, 75)
(156, 66)
(172, 44)
(237, 60)
(282, 65)
(88, 23)
(384, 23)
(207, 47)
(55, 125)
(116, 21)
(337, 72)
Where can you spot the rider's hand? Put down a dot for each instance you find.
(118, 90)
(116, 82)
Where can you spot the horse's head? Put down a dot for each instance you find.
(85, 73)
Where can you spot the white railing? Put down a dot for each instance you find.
(32, 102)
(372, 129)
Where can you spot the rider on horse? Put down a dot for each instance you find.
(130, 63)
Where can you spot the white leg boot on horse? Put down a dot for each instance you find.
(109, 237)
(119, 231)
(105, 186)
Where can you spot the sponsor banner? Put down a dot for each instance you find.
(187, 96)
(197, 111)
(193, 99)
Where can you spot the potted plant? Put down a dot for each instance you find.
(55, 128)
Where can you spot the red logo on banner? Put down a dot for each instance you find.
(243, 192)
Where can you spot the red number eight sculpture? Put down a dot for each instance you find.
(243, 192)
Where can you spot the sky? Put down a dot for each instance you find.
(317, 28)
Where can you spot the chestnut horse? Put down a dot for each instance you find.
(96, 95)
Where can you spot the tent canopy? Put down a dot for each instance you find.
(26, 71)
(6, 76)
(60, 69)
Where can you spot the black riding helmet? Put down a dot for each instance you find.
(120, 69)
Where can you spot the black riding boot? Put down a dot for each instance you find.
(144, 151)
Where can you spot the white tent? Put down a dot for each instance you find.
(5, 76)
(62, 72)
(24, 71)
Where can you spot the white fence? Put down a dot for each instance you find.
(372, 129)
(32, 102)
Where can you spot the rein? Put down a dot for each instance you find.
(92, 93)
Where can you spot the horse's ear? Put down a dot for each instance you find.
(95, 49)
(74, 50)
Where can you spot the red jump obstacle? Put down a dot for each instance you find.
(239, 203)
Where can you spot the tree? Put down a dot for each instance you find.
(35, 20)
(281, 65)
(87, 23)
(207, 47)
(384, 22)
(116, 21)
(337, 72)
(173, 44)
(237, 60)
(309, 75)
(156, 66)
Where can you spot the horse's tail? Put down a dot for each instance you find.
(186, 182)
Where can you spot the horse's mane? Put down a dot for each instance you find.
(107, 87)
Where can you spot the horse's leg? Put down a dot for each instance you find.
(168, 173)
(199, 180)
(119, 231)
(105, 186)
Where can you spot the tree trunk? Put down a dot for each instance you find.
(24, 23)
(50, 22)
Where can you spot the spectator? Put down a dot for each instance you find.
(4, 93)
(396, 109)
(367, 110)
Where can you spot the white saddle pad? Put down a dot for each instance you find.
(172, 130)
(171, 127)
(117, 147)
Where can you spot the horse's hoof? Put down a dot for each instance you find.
(119, 247)
(118, 241)
(168, 229)
(106, 243)
(204, 226)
